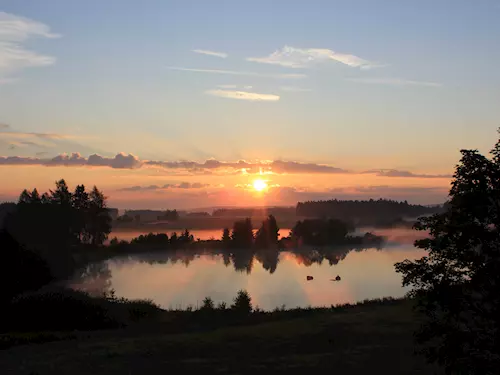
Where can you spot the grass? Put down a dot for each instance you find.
(372, 337)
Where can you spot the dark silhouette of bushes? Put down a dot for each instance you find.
(20, 269)
(61, 309)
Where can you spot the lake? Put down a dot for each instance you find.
(183, 278)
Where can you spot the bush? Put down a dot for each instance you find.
(62, 310)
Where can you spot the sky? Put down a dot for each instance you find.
(185, 104)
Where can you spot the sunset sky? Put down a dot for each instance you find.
(184, 104)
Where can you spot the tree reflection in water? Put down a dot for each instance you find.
(96, 278)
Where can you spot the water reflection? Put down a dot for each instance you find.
(180, 278)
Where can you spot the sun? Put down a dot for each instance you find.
(259, 185)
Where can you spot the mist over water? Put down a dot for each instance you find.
(183, 278)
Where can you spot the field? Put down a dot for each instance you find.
(365, 339)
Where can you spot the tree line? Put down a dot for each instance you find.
(60, 217)
(364, 212)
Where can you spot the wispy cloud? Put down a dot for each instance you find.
(14, 134)
(294, 89)
(398, 173)
(14, 31)
(244, 95)
(238, 73)
(4, 126)
(211, 53)
(394, 82)
(181, 185)
(292, 57)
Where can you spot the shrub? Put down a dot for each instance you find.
(61, 310)
(242, 303)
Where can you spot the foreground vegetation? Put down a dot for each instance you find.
(375, 335)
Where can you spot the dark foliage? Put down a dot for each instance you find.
(242, 304)
(226, 238)
(321, 232)
(20, 269)
(369, 212)
(60, 219)
(457, 283)
(242, 235)
(268, 233)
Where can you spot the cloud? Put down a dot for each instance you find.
(238, 73)
(279, 166)
(16, 28)
(129, 161)
(14, 31)
(120, 161)
(33, 138)
(398, 173)
(25, 143)
(394, 82)
(211, 53)
(244, 95)
(181, 185)
(294, 89)
(4, 126)
(292, 57)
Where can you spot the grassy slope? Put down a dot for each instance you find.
(361, 340)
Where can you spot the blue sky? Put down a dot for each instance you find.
(393, 84)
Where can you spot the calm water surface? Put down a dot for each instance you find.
(180, 279)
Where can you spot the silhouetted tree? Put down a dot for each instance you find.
(226, 238)
(60, 219)
(81, 204)
(99, 223)
(208, 304)
(242, 235)
(242, 304)
(321, 232)
(186, 238)
(174, 240)
(268, 233)
(457, 283)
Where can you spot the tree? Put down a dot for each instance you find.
(81, 205)
(242, 304)
(242, 236)
(226, 238)
(457, 284)
(61, 195)
(99, 223)
(268, 233)
(186, 238)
